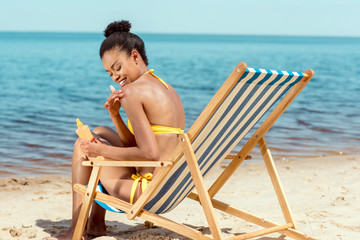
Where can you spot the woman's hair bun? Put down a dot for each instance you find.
(122, 26)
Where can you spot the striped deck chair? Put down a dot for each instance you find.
(242, 100)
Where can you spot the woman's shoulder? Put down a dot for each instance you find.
(135, 91)
(130, 90)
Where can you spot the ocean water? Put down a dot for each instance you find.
(49, 79)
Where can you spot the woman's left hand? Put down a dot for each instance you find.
(91, 149)
(113, 102)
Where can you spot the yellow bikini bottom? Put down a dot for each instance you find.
(145, 180)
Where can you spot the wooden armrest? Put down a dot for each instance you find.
(102, 162)
(233, 156)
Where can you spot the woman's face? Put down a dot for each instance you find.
(122, 67)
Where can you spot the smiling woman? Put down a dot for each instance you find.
(155, 111)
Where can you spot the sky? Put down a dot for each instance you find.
(252, 17)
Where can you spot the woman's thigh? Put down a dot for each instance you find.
(121, 188)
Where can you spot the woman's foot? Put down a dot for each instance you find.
(96, 229)
(65, 236)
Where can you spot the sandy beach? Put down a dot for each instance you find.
(322, 192)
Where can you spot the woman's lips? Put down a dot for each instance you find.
(122, 82)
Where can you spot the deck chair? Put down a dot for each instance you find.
(246, 95)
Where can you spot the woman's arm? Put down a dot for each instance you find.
(146, 147)
(113, 105)
(126, 137)
(116, 153)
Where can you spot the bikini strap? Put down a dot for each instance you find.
(151, 71)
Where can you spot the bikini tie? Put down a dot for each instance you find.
(145, 180)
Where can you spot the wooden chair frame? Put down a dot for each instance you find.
(204, 196)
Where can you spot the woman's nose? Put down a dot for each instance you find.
(115, 77)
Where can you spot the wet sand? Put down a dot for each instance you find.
(322, 192)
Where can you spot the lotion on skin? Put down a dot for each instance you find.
(112, 88)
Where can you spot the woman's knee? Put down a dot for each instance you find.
(77, 145)
(78, 154)
(109, 135)
(101, 130)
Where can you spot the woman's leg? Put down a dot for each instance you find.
(96, 223)
(81, 174)
(116, 180)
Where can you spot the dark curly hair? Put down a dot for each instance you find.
(118, 35)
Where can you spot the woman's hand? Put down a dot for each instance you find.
(113, 102)
(91, 149)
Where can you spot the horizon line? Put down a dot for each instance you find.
(190, 34)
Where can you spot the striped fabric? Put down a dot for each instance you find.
(255, 92)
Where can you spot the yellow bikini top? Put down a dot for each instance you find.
(157, 129)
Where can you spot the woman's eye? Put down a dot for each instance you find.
(118, 69)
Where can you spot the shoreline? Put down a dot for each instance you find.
(322, 193)
(61, 168)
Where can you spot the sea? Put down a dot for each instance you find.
(48, 80)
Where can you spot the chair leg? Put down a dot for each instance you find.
(269, 162)
(148, 224)
(87, 202)
(201, 188)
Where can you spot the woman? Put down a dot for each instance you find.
(149, 103)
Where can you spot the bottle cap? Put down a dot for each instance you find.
(79, 123)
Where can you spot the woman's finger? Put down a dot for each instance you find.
(117, 97)
(118, 93)
(97, 140)
(111, 99)
(112, 88)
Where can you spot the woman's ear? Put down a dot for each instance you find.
(135, 56)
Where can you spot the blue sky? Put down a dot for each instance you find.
(257, 17)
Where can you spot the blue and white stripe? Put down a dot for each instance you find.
(253, 95)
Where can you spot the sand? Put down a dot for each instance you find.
(323, 193)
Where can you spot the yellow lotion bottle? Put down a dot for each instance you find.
(83, 131)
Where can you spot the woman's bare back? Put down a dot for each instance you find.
(162, 106)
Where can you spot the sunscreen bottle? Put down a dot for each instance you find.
(83, 131)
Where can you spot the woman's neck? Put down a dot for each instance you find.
(143, 69)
